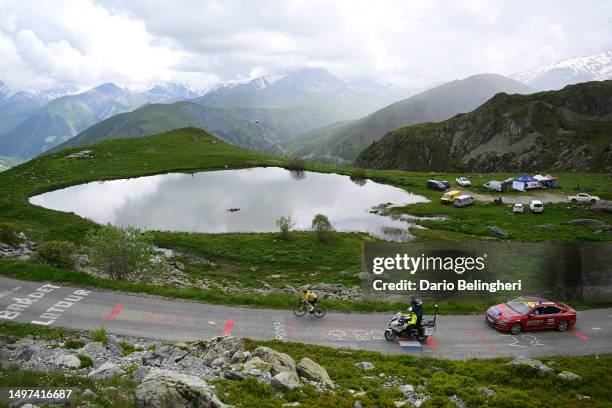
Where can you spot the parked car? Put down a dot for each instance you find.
(446, 183)
(530, 313)
(463, 181)
(517, 208)
(536, 206)
(464, 201)
(449, 197)
(493, 185)
(583, 198)
(436, 185)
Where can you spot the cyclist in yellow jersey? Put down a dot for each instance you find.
(310, 300)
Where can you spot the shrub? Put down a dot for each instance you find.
(358, 174)
(58, 253)
(128, 348)
(100, 335)
(8, 234)
(296, 164)
(86, 361)
(285, 224)
(123, 253)
(74, 344)
(322, 226)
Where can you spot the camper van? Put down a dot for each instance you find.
(536, 206)
(449, 197)
(464, 201)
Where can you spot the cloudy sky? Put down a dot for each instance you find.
(412, 43)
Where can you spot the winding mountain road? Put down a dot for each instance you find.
(456, 337)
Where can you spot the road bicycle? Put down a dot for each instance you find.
(300, 310)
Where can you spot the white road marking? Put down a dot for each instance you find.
(596, 328)
(211, 322)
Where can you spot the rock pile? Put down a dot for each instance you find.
(168, 374)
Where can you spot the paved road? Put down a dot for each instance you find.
(456, 337)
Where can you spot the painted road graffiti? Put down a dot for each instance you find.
(356, 335)
(280, 327)
(21, 304)
(55, 312)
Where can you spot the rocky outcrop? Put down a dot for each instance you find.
(548, 130)
(526, 361)
(106, 371)
(278, 361)
(217, 347)
(286, 381)
(169, 389)
(308, 369)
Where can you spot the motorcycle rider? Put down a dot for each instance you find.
(409, 319)
(417, 307)
(310, 300)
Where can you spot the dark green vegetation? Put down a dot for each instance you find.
(247, 259)
(567, 130)
(515, 387)
(343, 142)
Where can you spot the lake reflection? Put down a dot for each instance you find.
(201, 202)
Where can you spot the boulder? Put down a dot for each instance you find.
(256, 363)
(83, 154)
(240, 357)
(589, 222)
(69, 361)
(106, 371)
(278, 361)
(312, 371)
(221, 346)
(569, 376)
(169, 389)
(538, 365)
(487, 392)
(500, 232)
(411, 395)
(163, 355)
(140, 373)
(365, 365)
(602, 206)
(234, 375)
(286, 381)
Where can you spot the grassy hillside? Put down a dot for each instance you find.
(567, 130)
(345, 142)
(253, 128)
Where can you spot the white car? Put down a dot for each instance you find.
(583, 198)
(463, 181)
(517, 208)
(536, 206)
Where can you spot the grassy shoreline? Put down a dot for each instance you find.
(252, 258)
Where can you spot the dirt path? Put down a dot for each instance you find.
(522, 198)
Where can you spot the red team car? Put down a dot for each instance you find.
(530, 313)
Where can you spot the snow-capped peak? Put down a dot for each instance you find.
(596, 67)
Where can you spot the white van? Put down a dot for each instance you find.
(463, 201)
(536, 206)
(493, 185)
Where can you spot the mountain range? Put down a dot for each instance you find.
(597, 67)
(570, 129)
(342, 142)
(36, 124)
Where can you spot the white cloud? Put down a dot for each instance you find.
(412, 43)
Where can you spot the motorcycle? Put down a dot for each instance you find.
(397, 327)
